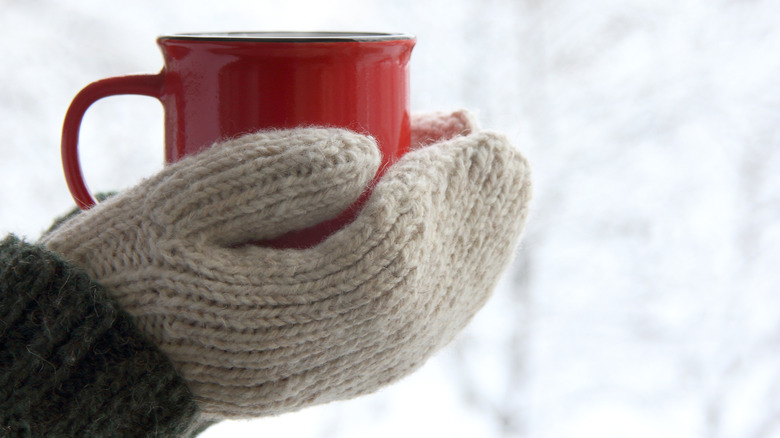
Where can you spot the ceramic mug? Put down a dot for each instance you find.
(215, 86)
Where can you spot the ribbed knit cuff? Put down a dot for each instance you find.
(71, 361)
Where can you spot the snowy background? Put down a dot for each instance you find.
(645, 299)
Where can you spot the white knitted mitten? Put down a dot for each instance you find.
(260, 331)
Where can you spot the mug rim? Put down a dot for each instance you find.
(289, 36)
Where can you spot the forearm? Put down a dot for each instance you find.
(72, 363)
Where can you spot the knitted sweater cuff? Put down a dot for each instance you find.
(71, 361)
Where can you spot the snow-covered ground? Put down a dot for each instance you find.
(645, 298)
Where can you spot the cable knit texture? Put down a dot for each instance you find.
(261, 331)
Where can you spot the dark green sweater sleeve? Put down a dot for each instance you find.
(72, 363)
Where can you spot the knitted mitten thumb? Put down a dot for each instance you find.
(261, 331)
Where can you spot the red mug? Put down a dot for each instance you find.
(221, 85)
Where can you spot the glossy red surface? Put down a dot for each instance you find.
(147, 85)
(215, 88)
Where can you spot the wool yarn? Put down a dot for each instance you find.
(71, 361)
(262, 331)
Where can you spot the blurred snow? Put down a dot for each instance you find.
(644, 300)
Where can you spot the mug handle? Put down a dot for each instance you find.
(145, 85)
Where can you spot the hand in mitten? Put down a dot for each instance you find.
(258, 331)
